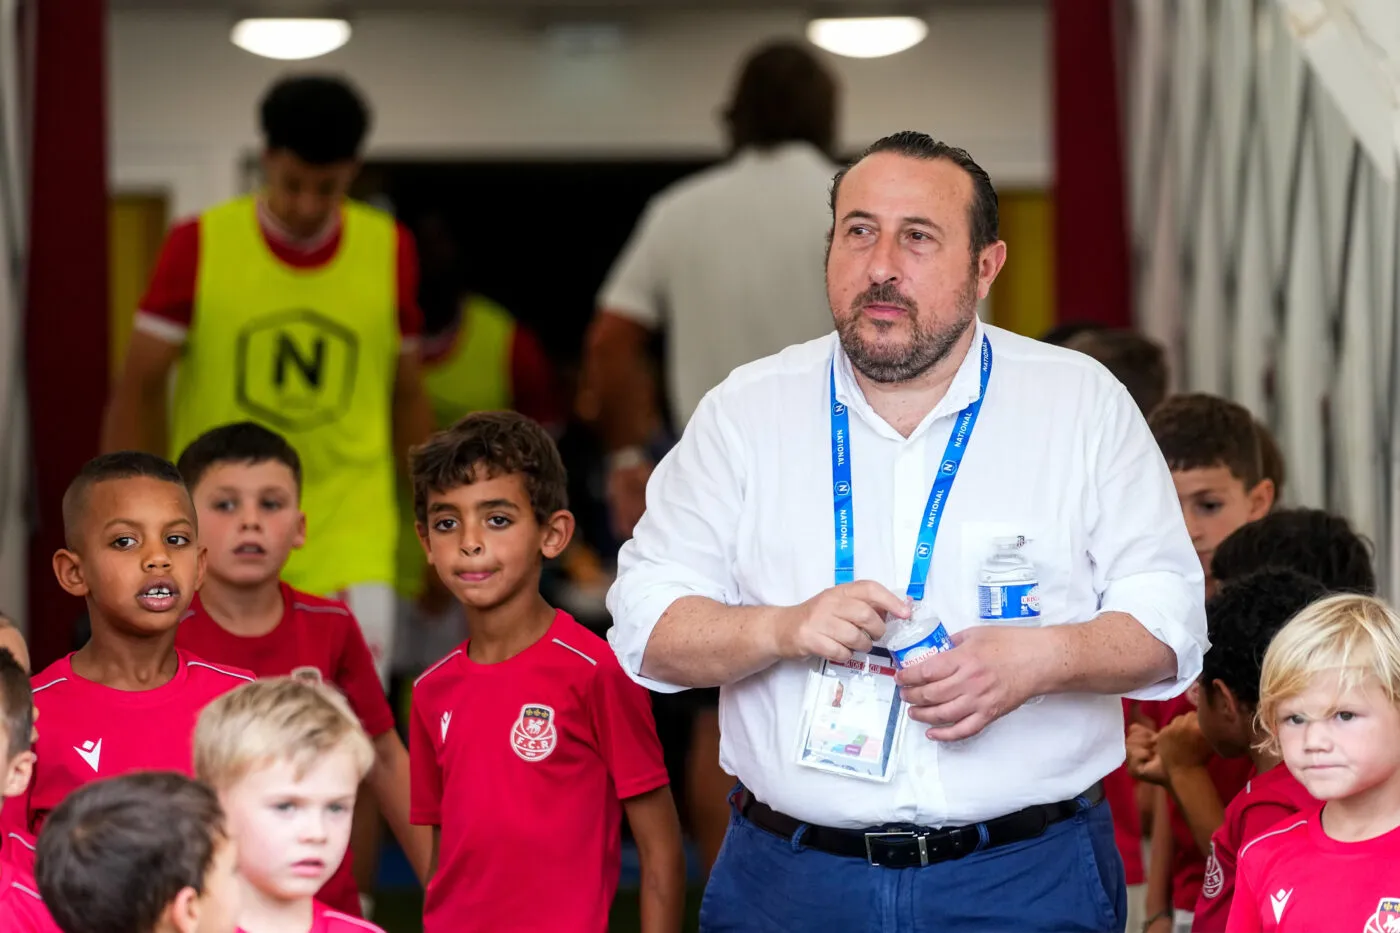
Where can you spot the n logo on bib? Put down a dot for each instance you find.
(296, 369)
(533, 736)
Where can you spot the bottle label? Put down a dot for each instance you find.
(1008, 601)
(934, 642)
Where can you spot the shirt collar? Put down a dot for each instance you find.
(962, 391)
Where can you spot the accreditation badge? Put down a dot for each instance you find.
(851, 718)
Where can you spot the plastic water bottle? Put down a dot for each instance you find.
(915, 638)
(1008, 591)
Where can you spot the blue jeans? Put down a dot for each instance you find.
(1069, 878)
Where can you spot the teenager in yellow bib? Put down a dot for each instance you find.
(295, 308)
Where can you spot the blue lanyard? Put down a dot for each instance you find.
(843, 504)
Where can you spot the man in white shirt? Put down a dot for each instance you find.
(991, 783)
(728, 263)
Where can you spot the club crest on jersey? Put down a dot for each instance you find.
(1215, 878)
(533, 736)
(1386, 919)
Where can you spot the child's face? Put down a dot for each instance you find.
(1215, 503)
(485, 542)
(1340, 744)
(292, 830)
(14, 777)
(138, 561)
(249, 520)
(219, 905)
(1224, 721)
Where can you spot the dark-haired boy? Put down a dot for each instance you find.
(1243, 617)
(319, 292)
(142, 853)
(21, 908)
(528, 742)
(1313, 542)
(128, 699)
(246, 484)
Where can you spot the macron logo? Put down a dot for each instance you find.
(91, 752)
(1280, 901)
(446, 721)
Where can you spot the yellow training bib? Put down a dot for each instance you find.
(311, 354)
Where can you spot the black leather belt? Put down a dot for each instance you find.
(901, 846)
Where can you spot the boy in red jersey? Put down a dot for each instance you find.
(21, 908)
(16, 842)
(246, 482)
(140, 853)
(528, 742)
(128, 699)
(1329, 701)
(286, 758)
(1244, 616)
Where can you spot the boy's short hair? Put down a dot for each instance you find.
(1243, 618)
(274, 720)
(1199, 431)
(115, 853)
(321, 119)
(1271, 458)
(241, 442)
(486, 445)
(122, 464)
(1355, 636)
(1134, 359)
(18, 697)
(1310, 541)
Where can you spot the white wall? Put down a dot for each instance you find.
(183, 98)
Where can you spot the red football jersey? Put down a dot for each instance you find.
(317, 636)
(1297, 879)
(89, 731)
(1120, 791)
(1228, 775)
(326, 920)
(18, 846)
(1266, 801)
(22, 910)
(523, 765)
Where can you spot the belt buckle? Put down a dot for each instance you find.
(919, 837)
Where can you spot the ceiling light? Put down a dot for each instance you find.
(867, 36)
(289, 39)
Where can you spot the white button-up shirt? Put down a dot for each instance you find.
(730, 262)
(741, 512)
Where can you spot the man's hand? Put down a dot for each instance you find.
(1143, 761)
(838, 622)
(989, 672)
(1181, 744)
(627, 496)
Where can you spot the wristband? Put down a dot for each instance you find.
(1159, 915)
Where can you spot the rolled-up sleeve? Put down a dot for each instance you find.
(1144, 563)
(686, 541)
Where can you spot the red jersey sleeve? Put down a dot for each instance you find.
(425, 777)
(1245, 909)
(532, 385)
(626, 731)
(1262, 817)
(410, 315)
(170, 293)
(356, 678)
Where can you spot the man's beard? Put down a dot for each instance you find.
(926, 348)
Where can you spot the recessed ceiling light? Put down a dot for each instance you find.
(290, 39)
(867, 36)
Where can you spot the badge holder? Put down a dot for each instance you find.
(852, 718)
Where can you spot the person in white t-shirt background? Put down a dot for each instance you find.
(727, 264)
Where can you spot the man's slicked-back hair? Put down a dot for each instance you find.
(983, 220)
(321, 119)
(488, 444)
(18, 698)
(122, 464)
(1199, 431)
(1309, 541)
(1243, 618)
(115, 853)
(784, 94)
(241, 442)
